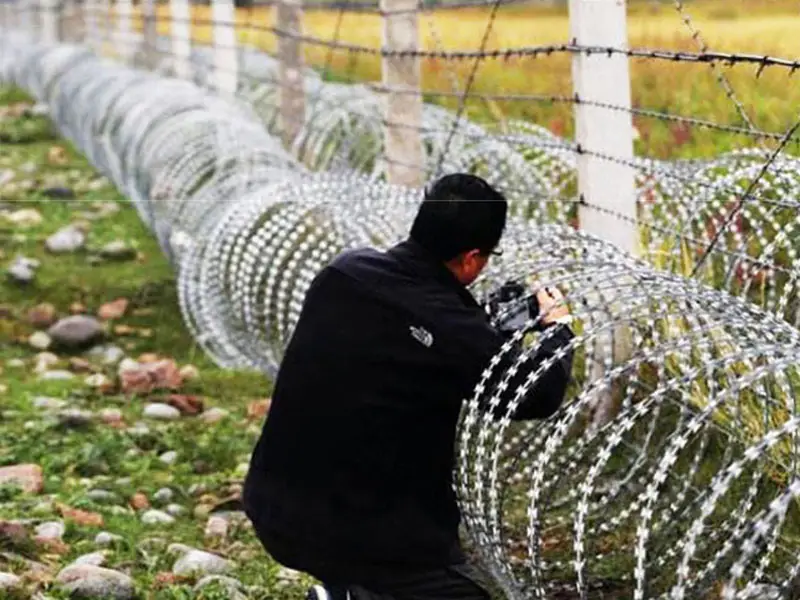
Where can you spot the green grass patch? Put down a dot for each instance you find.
(96, 456)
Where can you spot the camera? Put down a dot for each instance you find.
(509, 304)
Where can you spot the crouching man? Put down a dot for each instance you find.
(351, 479)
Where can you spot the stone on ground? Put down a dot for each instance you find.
(51, 530)
(90, 581)
(104, 538)
(39, 340)
(117, 250)
(163, 495)
(96, 559)
(157, 517)
(9, 582)
(67, 239)
(27, 476)
(160, 411)
(75, 331)
(22, 270)
(199, 562)
(42, 315)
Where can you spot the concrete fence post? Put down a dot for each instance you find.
(289, 19)
(401, 78)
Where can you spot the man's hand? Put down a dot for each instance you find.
(549, 307)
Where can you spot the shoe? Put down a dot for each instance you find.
(319, 592)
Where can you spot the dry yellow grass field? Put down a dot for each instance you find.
(744, 26)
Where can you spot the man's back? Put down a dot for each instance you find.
(351, 479)
(353, 469)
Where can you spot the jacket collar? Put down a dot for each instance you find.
(428, 265)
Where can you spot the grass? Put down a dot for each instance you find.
(75, 460)
(743, 26)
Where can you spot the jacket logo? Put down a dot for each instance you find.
(422, 335)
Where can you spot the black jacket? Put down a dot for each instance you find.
(352, 474)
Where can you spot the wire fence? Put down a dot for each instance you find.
(255, 70)
(672, 472)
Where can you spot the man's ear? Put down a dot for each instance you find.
(472, 254)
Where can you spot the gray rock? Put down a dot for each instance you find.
(98, 380)
(67, 239)
(97, 559)
(216, 527)
(103, 496)
(75, 417)
(176, 510)
(47, 403)
(56, 376)
(9, 582)
(21, 272)
(163, 495)
(45, 360)
(169, 457)
(29, 262)
(212, 415)
(164, 412)
(127, 364)
(201, 563)
(104, 538)
(177, 549)
(111, 414)
(29, 168)
(51, 530)
(25, 217)
(75, 331)
(90, 581)
(113, 355)
(118, 250)
(108, 355)
(39, 340)
(15, 363)
(157, 517)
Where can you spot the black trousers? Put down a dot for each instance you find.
(456, 582)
